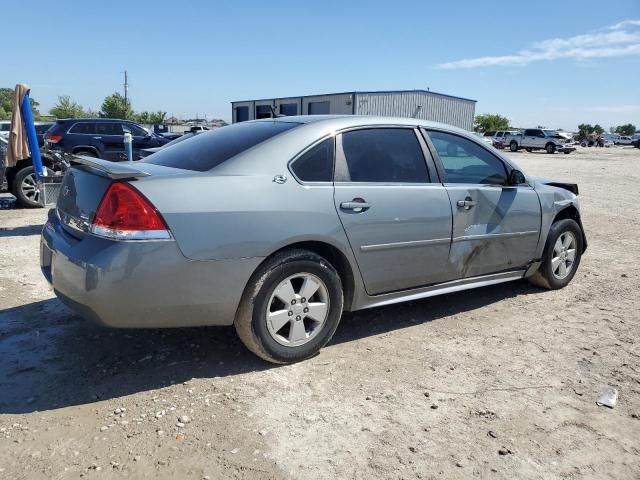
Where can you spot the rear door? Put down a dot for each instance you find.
(495, 225)
(396, 216)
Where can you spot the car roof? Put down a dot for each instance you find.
(93, 120)
(347, 121)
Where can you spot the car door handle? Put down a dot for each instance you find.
(97, 138)
(467, 203)
(357, 205)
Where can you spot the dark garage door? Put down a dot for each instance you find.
(318, 108)
(242, 114)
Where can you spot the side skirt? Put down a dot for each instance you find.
(440, 289)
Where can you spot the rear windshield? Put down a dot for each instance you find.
(208, 150)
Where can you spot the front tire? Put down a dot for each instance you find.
(26, 189)
(291, 307)
(550, 148)
(562, 255)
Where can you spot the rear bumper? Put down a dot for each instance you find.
(140, 284)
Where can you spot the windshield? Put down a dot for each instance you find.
(208, 150)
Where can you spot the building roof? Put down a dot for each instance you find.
(355, 92)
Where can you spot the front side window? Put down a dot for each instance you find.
(387, 155)
(316, 165)
(465, 161)
(208, 150)
(134, 130)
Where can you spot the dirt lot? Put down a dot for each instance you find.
(499, 382)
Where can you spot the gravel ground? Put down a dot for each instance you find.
(499, 382)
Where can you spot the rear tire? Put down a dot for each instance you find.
(513, 146)
(562, 254)
(529, 150)
(280, 329)
(26, 189)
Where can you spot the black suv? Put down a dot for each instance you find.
(99, 137)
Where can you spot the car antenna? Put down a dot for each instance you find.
(273, 112)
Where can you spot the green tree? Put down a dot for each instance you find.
(114, 106)
(67, 108)
(6, 104)
(597, 129)
(490, 122)
(628, 129)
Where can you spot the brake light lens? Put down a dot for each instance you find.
(125, 214)
(54, 138)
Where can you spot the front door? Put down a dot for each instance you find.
(495, 225)
(397, 221)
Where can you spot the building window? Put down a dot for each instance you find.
(288, 109)
(242, 114)
(318, 108)
(263, 111)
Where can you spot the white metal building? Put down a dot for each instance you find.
(422, 104)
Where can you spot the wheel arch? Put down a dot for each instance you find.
(570, 212)
(334, 256)
(84, 148)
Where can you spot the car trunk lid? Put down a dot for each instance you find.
(86, 182)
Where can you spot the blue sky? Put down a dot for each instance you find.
(563, 63)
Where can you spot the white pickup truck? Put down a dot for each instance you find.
(539, 139)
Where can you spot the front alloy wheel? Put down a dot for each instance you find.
(564, 255)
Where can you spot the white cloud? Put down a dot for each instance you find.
(619, 40)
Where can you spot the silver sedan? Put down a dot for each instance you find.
(278, 226)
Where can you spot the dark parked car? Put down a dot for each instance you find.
(41, 130)
(99, 137)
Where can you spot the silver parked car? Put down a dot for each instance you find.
(278, 226)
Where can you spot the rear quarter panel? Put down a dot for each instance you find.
(223, 217)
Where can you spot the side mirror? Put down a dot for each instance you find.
(516, 177)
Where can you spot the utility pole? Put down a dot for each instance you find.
(126, 88)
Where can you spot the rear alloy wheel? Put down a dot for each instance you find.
(513, 146)
(291, 307)
(550, 148)
(26, 188)
(562, 255)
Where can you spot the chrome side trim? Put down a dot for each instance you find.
(489, 236)
(442, 288)
(413, 243)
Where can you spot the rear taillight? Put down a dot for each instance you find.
(125, 214)
(54, 138)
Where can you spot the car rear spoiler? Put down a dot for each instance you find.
(114, 170)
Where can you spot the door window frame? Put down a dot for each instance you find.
(341, 169)
(440, 166)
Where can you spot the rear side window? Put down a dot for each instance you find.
(210, 149)
(387, 155)
(87, 128)
(316, 165)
